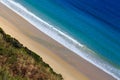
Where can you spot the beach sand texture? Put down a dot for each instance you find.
(62, 60)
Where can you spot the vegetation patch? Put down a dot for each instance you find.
(19, 63)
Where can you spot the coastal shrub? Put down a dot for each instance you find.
(13, 41)
(15, 59)
(7, 38)
(35, 56)
(4, 52)
(16, 43)
(46, 65)
(12, 59)
(1, 31)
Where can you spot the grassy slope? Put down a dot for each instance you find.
(19, 63)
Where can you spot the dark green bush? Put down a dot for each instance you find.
(13, 41)
(1, 31)
(35, 56)
(7, 38)
(16, 43)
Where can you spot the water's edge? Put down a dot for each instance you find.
(62, 38)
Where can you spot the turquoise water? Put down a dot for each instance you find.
(95, 24)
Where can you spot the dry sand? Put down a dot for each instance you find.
(62, 60)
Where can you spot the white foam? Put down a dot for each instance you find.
(62, 38)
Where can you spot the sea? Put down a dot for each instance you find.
(89, 28)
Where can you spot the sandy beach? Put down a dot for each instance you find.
(62, 60)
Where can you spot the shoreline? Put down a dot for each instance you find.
(40, 41)
(63, 39)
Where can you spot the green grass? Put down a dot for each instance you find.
(19, 63)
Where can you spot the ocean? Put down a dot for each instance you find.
(91, 29)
